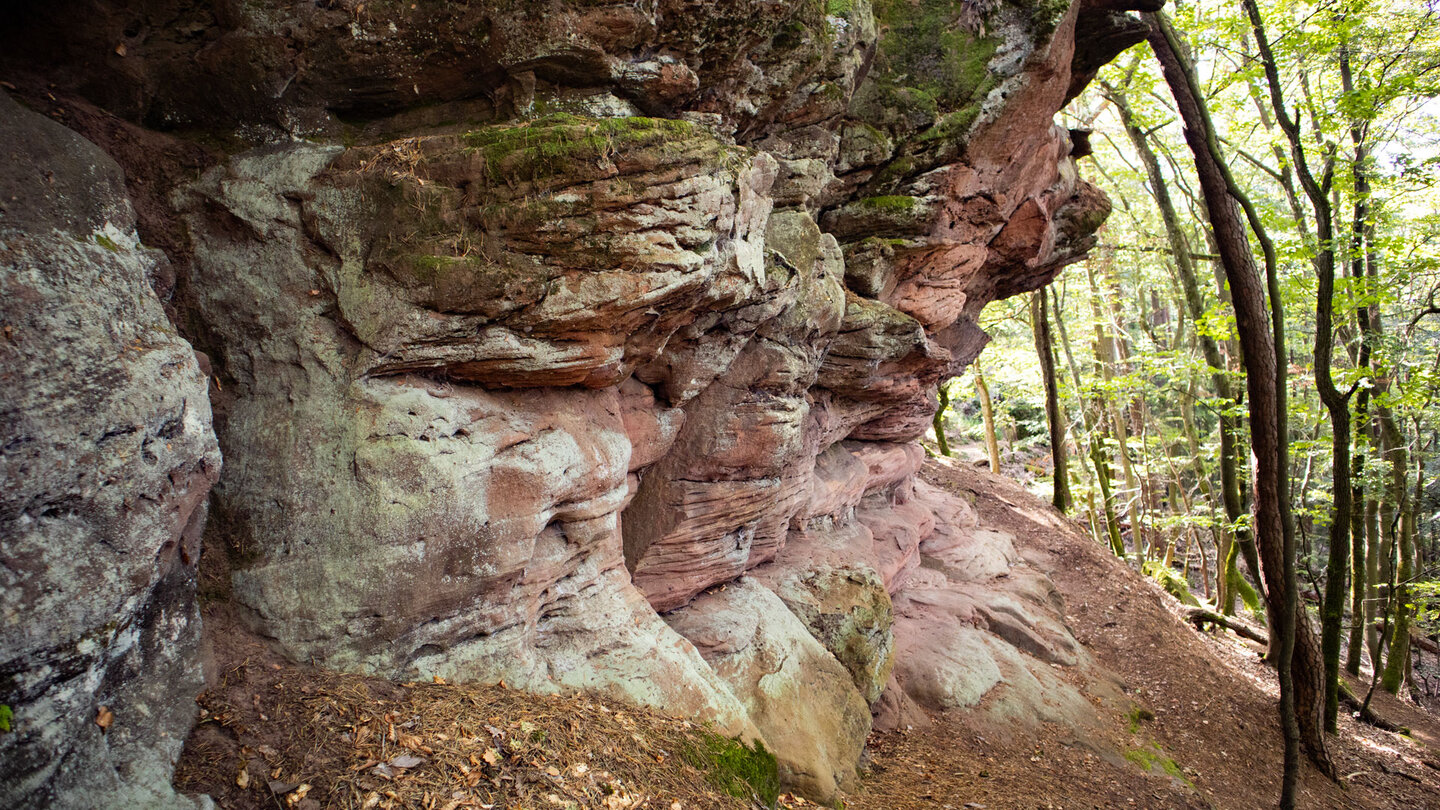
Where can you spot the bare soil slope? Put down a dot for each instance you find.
(1202, 732)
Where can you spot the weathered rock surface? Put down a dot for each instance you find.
(106, 460)
(565, 315)
(801, 698)
(402, 524)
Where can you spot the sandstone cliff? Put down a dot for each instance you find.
(582, 346)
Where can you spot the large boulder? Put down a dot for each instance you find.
(800, 697)
(107, 459)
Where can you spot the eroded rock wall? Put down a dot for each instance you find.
(533, 322)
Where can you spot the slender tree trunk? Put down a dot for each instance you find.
(1105, 355)
(1210, 350)
(1096, 451)
(1377, 570)
(943, 393)
(1054, 417)
(1299, 664)
(1360, 565)
(987, 411)
(1224, 593)
(1401, 527)
(1363, 563)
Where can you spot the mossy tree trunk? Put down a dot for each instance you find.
(1054, 415)
(987, 412)
(942, 392)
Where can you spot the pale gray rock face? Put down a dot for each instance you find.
(106, 461)
(409, 525)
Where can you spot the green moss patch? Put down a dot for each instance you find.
(934, 47)
(894, 203)
(551, 145)
(735, 768)
(1138, 715)
(1153, 757)
(1171, 580)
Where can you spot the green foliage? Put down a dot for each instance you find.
(7, 715)
(1425, 601)
(736, 768)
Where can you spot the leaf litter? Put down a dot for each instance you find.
(276, 734)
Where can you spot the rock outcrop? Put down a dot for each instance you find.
(106, 461)
(533, 322)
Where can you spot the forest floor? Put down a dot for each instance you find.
(1203, 734)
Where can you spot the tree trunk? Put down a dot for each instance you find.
(1054, 417)
(1299, 664)
(943, 394)
(1096, 452)
(987, 411)
(1105, 356)
(1401, 528)
(1210, 350)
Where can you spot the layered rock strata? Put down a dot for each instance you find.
(533, 323)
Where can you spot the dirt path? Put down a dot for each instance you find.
(1205, 733)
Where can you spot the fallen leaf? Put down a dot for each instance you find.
(491, 756)
(104, 718)
(553, 771)
(280, 788)
(439, 680)
(120, 49)
(242, 779)
(406, 761)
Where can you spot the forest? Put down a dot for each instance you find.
(1238, 391)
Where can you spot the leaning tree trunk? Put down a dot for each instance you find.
(1332, 612)
(1299, 663)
